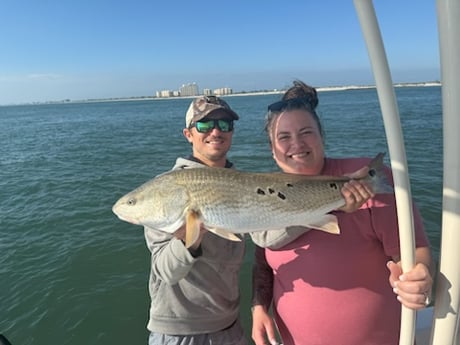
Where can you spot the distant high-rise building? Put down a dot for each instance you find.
(164, 93)
(223, 91)
(189, 90)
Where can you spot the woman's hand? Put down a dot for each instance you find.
(355, 192)
(263, 327)
(413, 288)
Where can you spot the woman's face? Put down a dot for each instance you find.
(297, 145)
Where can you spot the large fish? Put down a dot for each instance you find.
(227, 201)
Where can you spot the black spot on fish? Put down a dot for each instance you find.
(271, 190)
(281, 196)
(289, 185)
(372, 172)
(333, 185)
(260, 191)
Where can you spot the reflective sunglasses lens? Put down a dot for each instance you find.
(205, 126)
(224, 125)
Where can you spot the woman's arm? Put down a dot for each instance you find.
(263, 326)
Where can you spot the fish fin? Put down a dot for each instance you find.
(192, 227)
(224, 234)
(327, 223)
(377, 177)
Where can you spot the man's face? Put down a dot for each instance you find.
(211, 147)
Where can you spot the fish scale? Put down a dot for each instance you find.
(259, 196)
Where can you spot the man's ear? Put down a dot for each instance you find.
(187, 134)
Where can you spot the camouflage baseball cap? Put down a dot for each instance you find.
(204, 106)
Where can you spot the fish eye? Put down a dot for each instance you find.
(372, 173)
(131, 202)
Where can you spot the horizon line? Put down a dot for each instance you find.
(240, 93)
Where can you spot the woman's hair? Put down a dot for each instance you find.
(298, 96)
(302, 90)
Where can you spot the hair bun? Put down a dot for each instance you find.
(302, 90)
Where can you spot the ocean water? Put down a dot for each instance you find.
(71, 273)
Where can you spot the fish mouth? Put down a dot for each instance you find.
(129, 220)
(124, 218)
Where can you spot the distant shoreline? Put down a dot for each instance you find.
(243, 93)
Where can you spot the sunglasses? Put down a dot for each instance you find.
(293, 103)
(209, 125)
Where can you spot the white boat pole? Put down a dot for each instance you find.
(390, 113)
(447, 300)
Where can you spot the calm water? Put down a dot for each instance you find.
(72, 273)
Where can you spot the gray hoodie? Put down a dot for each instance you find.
(193, 295)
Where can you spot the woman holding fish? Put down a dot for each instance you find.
(333, 289)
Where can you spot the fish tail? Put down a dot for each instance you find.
(377, 177)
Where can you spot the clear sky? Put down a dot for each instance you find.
(52, 50)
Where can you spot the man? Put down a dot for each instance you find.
(195, 291)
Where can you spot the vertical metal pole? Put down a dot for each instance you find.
(446, 311)
(390, 113)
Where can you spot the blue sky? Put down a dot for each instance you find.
(55, 50)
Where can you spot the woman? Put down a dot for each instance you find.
(326, 289)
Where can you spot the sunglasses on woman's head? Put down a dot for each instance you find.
(292, 103)
(209, 125)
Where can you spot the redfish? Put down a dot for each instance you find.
(228, 202)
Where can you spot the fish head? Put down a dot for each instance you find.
(159, 204)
